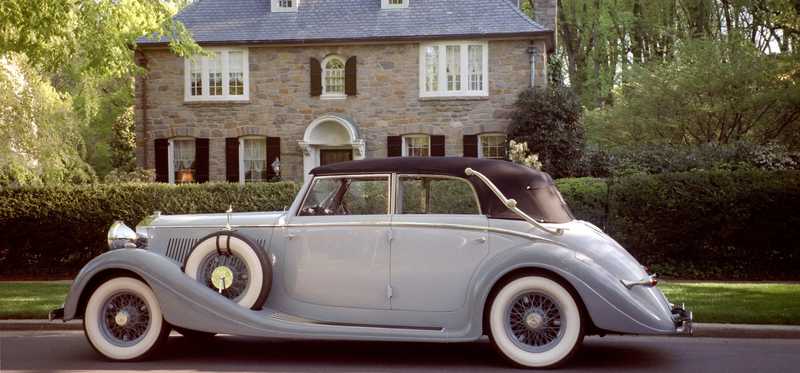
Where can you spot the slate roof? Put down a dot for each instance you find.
(319, 21)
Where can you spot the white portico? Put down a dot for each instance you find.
(330, 139)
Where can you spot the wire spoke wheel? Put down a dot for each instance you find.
(534, 322)
(126, 319)
(226, 274)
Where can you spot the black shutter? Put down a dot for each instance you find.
(232, 159)
(201, 160)
(437, 146)
(394, 146)
(273, 153)
(350, 78)
(471, 146)
(316, 77)
(162, 160)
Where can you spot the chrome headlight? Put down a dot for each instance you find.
(120, 236)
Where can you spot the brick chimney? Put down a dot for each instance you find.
(545, 13)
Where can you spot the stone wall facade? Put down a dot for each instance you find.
(388, 101)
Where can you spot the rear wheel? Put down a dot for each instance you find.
(123, 320)
(535, 322)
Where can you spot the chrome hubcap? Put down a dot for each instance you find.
(125, 319)
(534, 323)
(226, 274)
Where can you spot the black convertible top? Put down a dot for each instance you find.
(515, 181)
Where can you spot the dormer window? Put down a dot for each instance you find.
(284, 5)
(394, 4)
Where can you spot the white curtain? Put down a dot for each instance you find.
(183, 154)
(255, 158)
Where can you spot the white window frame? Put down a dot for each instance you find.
(171, 157)
(277, 8)
(337, 95)
(226, 96)
(241, 155)
(404, 152)
(464, 67)
(482, 136)
(385, 4)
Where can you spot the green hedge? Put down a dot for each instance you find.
(54, 230)
(702, 225)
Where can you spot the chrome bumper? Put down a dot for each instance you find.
(682, 319)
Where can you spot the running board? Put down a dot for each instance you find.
(297, 319)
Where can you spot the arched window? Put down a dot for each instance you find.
(333, 76)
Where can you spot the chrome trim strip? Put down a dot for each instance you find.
(375, 224)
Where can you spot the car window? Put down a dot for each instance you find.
(347, 196)
(436, 195)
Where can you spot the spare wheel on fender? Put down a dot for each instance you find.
(233, 265)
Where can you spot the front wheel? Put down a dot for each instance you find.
(123, 320)
(535, 322)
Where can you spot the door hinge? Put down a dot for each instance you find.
(389, 236)
(389, 291)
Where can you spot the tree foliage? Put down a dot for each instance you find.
(548, 120)
(710, 92)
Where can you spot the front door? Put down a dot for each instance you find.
(338, 244)
(329, 156)
(438, 240)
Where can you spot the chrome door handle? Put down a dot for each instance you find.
(481, 239)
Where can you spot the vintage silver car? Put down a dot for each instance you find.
(397, 249)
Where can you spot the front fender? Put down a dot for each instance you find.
(610, 305)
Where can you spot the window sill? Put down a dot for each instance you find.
(216, 102)
(453, 98)
(332, 97)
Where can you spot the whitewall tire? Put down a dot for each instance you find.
(123, 320)
(234, 264)
(535, 322)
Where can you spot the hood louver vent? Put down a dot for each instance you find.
(180, 247)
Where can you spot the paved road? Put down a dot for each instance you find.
(69, 351)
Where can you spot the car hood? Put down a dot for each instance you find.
(211, 220)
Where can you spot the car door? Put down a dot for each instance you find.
(439, 238)
(338, 243)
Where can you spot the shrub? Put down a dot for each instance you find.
(57, 229)
(587, 198)
(549, 121)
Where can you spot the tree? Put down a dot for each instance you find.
(123, 142)
(548, 120)
(40, 140)
(711, 92)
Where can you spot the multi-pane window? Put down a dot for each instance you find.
(183, 160)
(215, 74)
(465, 67)
(416, 146)
(391, 4)
(333, 77)
(475, 63)
(284, 5)
(431, 68)
(196, 78)
(436, 195)
(492, 146)
(253, 159)
(453, 68)
(221, 75)
(235, 73)
(365, 195)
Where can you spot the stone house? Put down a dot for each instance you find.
(293, 84)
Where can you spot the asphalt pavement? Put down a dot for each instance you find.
(63, 351)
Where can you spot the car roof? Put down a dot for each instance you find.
(512, 179)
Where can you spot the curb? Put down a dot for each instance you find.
(700, 329)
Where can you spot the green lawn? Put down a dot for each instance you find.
(744, 303)
(747, 303)
(30, 300)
